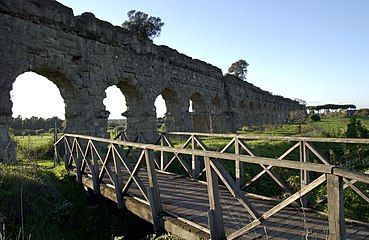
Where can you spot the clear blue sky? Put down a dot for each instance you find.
(314, 50)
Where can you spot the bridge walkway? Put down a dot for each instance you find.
(188, 200)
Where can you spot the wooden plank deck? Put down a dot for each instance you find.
(186, 204)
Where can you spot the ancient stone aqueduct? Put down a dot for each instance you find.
(83, 56)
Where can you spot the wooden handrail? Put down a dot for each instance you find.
(273, 138)
(314, 167)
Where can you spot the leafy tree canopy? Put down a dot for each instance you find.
(331, 106)
(300, 101)
(143, 26)
(239, 69)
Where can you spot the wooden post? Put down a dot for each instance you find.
(2, 229)
(336, 213)
(118, 179)
(78, 162)
(215, 215)
(163, 156)
(153, 191)
(66, 153)
(304, 174)
(95, 171)
(56, 157)
(195, 163)
(239, 172)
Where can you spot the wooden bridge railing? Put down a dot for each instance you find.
(84, 152)
(304, 146)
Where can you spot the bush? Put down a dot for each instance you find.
(120, 128)
(315, 118)
(356, 130)
(40, 131)
(28, 132)
(362, 112)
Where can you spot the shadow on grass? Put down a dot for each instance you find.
(52, 206)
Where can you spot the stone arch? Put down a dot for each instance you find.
(216, 105)
(217, 119)
(84, 109)
(200, 115)
(243, 113)
(58, 78)
(140, 114)
(176, 117)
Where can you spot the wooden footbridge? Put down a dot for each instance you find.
(205, 198)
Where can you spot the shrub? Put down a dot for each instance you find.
(40, 131)
(356, 130)
(362, 112)
(119, 128)
(315, 118)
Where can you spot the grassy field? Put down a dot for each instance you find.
(327, 127)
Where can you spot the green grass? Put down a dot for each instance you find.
(37, 140)
(55, 207)
(327, 127)
(52, 206)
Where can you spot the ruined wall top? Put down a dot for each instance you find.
(56, 15)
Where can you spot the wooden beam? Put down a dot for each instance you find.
(359, 192)
(239, 171)
(304, 174)
(215, 214)
(275, 138)
(232, 187)
(195, 164)
(163, 156)
(133, 174)
(336, 211)
(118, 179)
(153, 191)
(278, 207)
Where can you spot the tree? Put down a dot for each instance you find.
(239, 69)
(143, 26)
(315, 118)
(300, 101)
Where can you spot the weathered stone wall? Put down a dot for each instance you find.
(83, 56)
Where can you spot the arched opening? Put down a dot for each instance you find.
(115, 104)
(169, 111)
(197, 103)
(140, 113)
(36, 107)
(35, 95)
(215, 103)
(217, 121)
(242, 114)
(161, 110)
(251, 106)
(199, 115)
